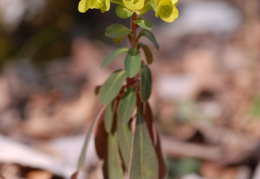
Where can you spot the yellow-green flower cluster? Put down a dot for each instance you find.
(103, 5)
(165, 9)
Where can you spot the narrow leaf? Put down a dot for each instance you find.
(112, 86)
(132, 62)
(113, 55)
(105, 168)
(150, 36)
(146, 24)
(109, 117)
(150, 123)
(114, 167)
(124, 142)
(125, 111)
(117, 31)
(147, 52)
(82, 156)
(146, 83)
(123, 12)
(144, 162)
(156, 140)
(126, 106)
(162, 166)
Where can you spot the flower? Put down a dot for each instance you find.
(166, 10)
(103, 5)
(134, 5)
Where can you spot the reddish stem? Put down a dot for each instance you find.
(133, 31)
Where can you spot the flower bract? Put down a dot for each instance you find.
(103, 5)
(166, 10)
(134, 5)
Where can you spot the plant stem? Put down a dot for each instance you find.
(132, 81)
(133, 42)
(133, 31)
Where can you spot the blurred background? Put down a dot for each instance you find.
(205, 100)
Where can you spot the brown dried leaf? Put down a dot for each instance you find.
(101, 137)
(74, 175)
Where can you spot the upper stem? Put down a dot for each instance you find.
(133, 42)
(133, 31)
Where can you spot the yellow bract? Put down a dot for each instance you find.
(103, 5)
(166, 10)
(134, 5)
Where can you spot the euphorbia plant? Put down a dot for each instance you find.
(126, 137)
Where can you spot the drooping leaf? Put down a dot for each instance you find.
(101, 138)
(124, 142)
(125, 111)
(146, 24)
(112, 86)
(147, 52)
(150, 123)
(146, 83)
(109, 117)
(123, 12)
(105, 168)
(114, 167)
(144, 162)
(132, 62)
(150, 36)
(156, 140)
(126, 106)
(82, 156)
(113, 55)
(162, 166)
(117, 31)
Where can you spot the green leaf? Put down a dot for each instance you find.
(82, 156)
(123, 12)
(146, 24)
(114, 166)
(144, 162)
(125, 111)
(113, 55)
(112, 86)
(147, 52)
(109, 117)
(117, 31)
(146, 83)
(124, 142)
(132, 62)
(126, 106)
(150, 36)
